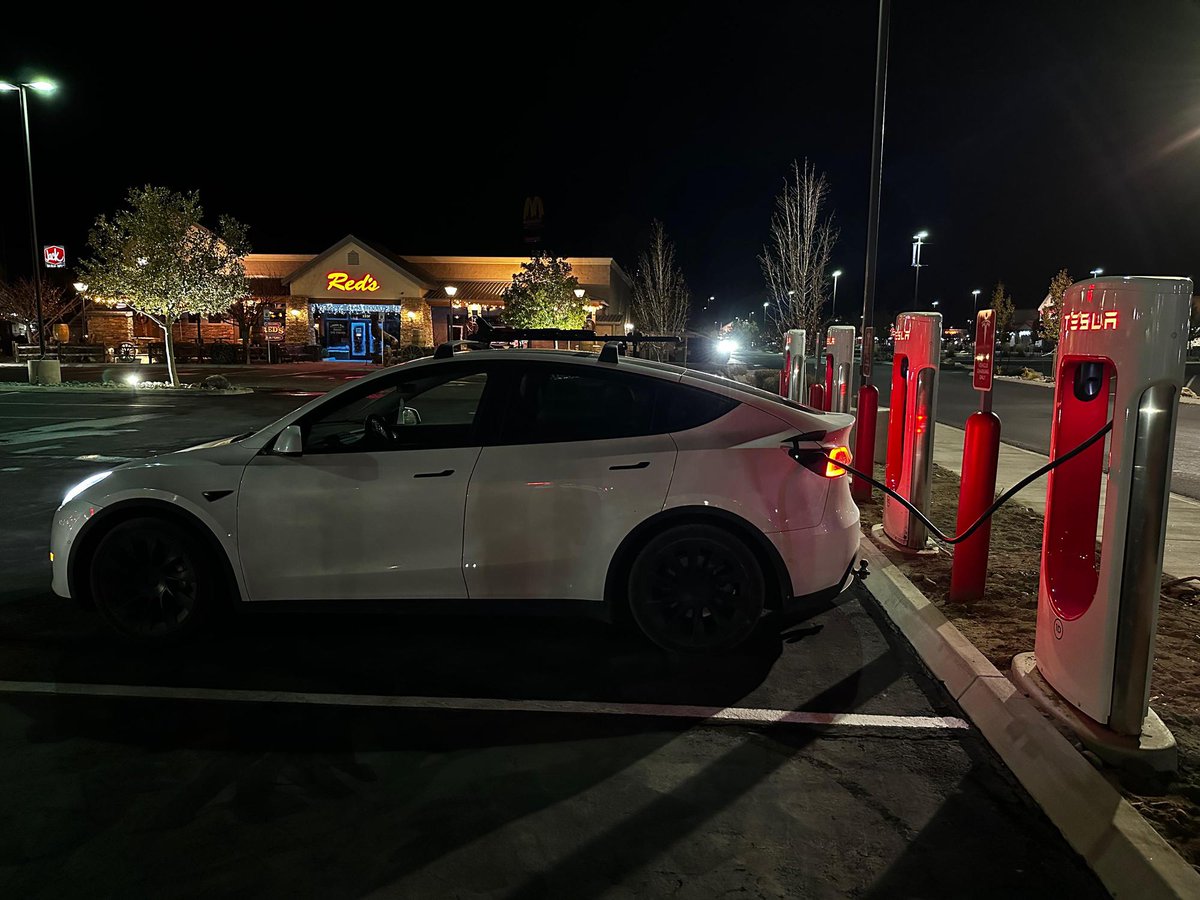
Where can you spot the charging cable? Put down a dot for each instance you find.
(990, 511)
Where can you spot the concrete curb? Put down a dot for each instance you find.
(1122, 848)
(17, 387)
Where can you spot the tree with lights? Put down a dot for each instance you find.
(797, 253)
(18, 303)
(156, 257)
(661, 299)
(247, 312)
(1050, 319)
(542, 295)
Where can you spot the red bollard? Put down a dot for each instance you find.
(977, 491)
(816, 396)
(864, 440)
(828, 382)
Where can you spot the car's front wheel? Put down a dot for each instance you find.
(153, 581)
(696, 588)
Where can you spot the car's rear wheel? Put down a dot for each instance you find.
(696, 588)
(153, 581)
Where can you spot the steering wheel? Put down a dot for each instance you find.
(376, 430)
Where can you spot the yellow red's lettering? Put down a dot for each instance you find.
(340, 281)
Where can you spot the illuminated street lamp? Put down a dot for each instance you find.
(1097, 272)
(837, 273)
(975, 293)
(918, 243)
(23, 88)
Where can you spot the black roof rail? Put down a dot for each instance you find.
(446, 350)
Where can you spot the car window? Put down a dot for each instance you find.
(681, 407)
(414, 411)
(551, 404)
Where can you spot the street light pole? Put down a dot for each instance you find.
(22, 89)
(975, 293)
(1097, 272)
(919, 237)
(837, 273)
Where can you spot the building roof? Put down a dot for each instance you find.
(275, 265)
(473, 291)
(396, 262)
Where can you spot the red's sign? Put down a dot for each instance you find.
(985, 349)
(55, 256)
(340, 281)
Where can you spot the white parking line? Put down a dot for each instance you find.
(719, 714)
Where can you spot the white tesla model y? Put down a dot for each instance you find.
(626, 488)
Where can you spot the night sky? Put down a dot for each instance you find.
(1023, 136)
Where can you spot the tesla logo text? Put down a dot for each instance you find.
(1091, 321)
(904, 332)
(340, 281)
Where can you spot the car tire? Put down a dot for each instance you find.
(154, 581)
(696, 589)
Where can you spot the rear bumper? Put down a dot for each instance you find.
(820, 557)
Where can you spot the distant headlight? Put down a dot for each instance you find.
(726, 346)
(84, 485)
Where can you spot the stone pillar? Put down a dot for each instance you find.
(296, 327)
(416, 323)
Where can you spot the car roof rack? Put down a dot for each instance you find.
(486, 334)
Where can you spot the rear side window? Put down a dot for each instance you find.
(681, 407)
(551, 404)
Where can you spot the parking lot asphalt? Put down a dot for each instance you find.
(405, 756)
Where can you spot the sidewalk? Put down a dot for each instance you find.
(1181, 556)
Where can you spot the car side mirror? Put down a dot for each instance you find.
(409, 416)
(290, 442)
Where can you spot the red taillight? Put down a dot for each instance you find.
(837, 455)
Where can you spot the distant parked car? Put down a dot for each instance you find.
(537, 478)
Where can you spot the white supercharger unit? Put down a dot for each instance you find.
(1122, 340)
(839, 367)
(792, 378)
(917, 342)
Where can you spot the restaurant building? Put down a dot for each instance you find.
(344, 303)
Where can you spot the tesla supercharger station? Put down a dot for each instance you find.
(918, 352)
(839, 367)
(1124, 341)
(792, 378)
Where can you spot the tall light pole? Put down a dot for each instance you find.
(919, 238)
(837, 273)
(1097, 272)
(975, 293)
(23, 88)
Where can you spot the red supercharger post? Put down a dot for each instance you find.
(981, 454)
(868, 410)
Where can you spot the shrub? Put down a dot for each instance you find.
(216, 383)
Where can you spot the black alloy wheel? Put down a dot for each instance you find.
(152, 580)
(696, 588)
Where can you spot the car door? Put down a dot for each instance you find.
(577, 464)
(373, 507)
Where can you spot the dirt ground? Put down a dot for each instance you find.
(1002, 625)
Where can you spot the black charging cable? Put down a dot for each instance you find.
(991, 510)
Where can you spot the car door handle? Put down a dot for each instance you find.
(441, 474)
(639, 465)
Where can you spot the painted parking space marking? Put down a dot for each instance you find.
(100, 457)
(74, 429)
(715, 714)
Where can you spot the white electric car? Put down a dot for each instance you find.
(687, 502)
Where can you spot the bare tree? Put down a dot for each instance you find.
(797, 253)
(18, 303)
(247, 312)
(661, 298)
